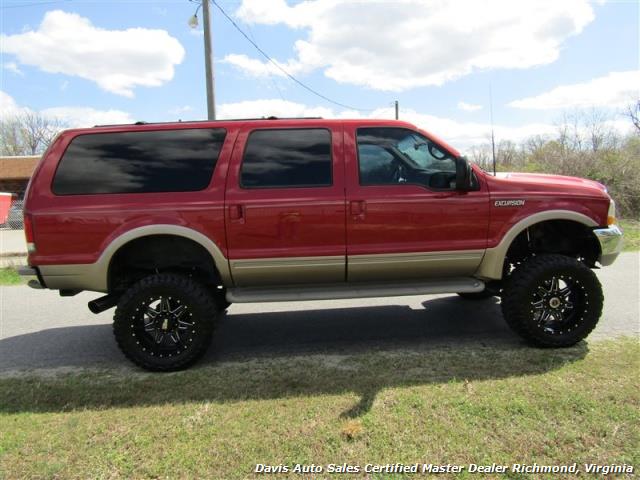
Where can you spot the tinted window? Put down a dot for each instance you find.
(136, 162)
(287, 158)
(376, 165)
(391, 156)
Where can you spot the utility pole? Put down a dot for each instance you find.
(397, 109)
(208, 61)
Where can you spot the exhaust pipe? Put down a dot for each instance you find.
(101, 304)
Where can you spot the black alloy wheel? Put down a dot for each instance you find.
(552, 300)
(164, 322)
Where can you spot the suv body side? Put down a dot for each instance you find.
(342, 232)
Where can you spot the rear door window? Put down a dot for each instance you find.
(139, 162)
(287, 158)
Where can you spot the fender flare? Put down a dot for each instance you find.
(493, 260)
(220, 261)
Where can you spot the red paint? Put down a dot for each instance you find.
(266, 223)
(286, 222)
(411, 218)
(5, 204)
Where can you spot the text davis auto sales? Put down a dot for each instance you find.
(430, 468)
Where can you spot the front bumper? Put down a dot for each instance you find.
(611, 242)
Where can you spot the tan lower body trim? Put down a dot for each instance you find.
(285, 271)
(85, 276)
(396, 266)
(400, 266)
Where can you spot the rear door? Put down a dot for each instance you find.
(285, 205)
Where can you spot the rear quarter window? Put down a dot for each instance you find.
(139, 162)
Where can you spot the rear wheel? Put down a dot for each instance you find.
(552, 300)
(164, 322)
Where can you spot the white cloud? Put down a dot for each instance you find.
(8, 105)
(398, 45)
(617, 89)
(252, 66)
(117, 60)
(181, 109)
(459, 134)
(271, 107)
(257, 68)
(77, 117)
(469, 107)
(13, 68)
(71, 116)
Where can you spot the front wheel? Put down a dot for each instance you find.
(164, 322)
(552, 300)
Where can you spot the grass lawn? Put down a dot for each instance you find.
(631, 230)
(8, 276)
(469, 403)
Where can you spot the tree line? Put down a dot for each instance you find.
(585, 144)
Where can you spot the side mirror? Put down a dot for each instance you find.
(463, 175)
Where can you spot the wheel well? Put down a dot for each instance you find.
(160, 253)
(564, 237)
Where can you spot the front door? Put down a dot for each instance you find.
(405, 219)
(285, 206)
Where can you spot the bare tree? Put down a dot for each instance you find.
(600, 135)
(633, 112)
(11, 137)
(507, 154)
(27, 133)
(481, 155)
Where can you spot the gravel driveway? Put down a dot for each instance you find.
(38, 329)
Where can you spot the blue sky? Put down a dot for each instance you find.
(110, 61)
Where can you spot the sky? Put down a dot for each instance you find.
(446, 62)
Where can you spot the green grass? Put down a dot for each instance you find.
(631, 230)
(471, 403)
(8, 276)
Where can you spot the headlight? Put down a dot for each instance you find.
(611, 215)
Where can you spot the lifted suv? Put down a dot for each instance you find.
(176, 221)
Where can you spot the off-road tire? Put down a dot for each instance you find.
(193, 326)
(483, 295)
(528, 295)
(221, 300)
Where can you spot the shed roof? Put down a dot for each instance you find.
(18, 168)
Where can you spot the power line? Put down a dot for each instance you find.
(33, 4)
(279, 67)
(270, 77)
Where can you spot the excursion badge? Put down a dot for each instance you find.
(509, 203)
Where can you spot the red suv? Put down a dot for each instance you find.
(175, 221)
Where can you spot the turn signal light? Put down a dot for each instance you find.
(611, 220)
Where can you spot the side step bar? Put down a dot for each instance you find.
(351, 290)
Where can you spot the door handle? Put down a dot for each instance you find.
(358, 208)
(236, 213)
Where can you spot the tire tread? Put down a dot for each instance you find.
(191, 287)
(517, 315)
